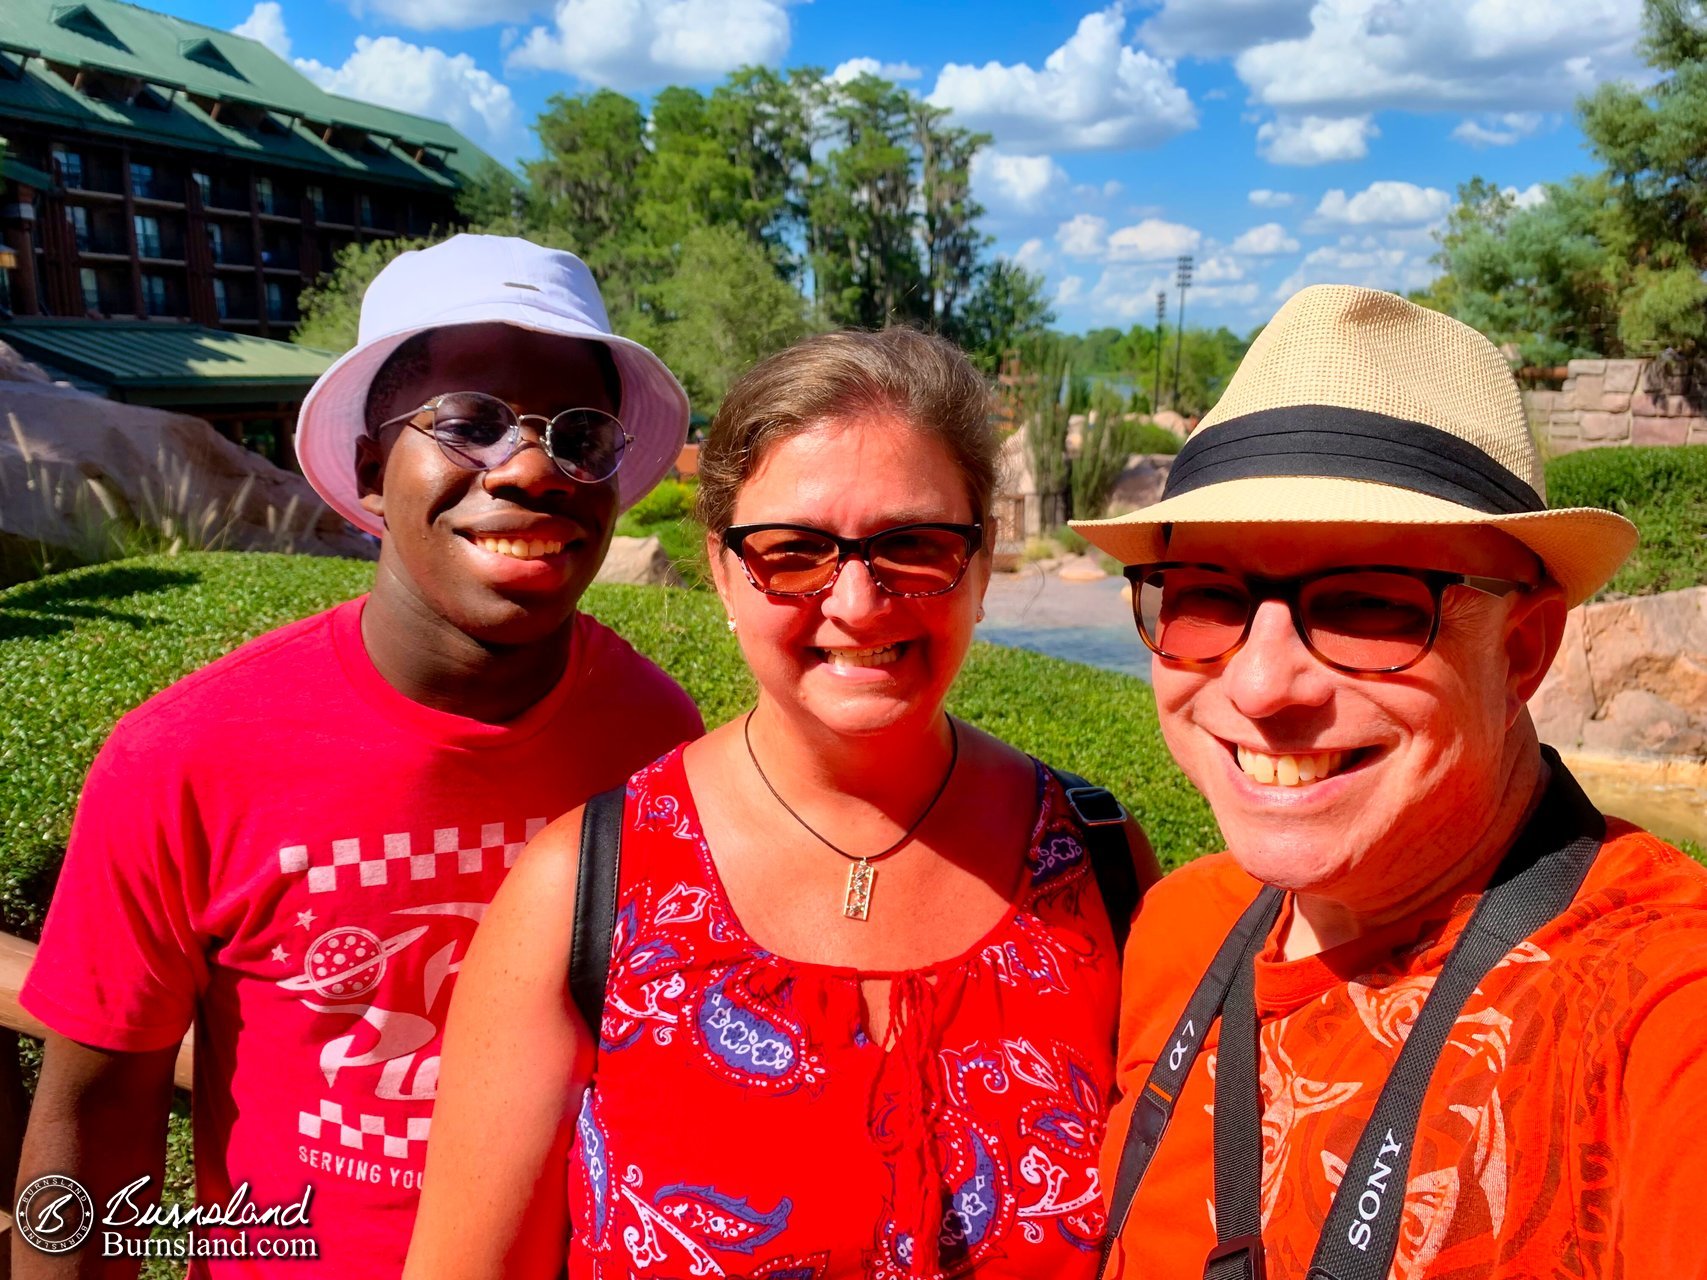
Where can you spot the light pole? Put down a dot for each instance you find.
(1161, 315)
(1182, 277)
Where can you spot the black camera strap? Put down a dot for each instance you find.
(1535, 883)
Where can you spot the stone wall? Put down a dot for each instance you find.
(1619, 402)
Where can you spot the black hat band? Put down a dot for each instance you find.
(1349, 444)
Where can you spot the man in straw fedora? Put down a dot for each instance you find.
(1431, 1014)
(291, 848)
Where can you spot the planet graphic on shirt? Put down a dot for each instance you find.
(347, 962)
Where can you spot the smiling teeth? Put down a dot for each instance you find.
(518, 548)
(881, 656)
(1291, 770)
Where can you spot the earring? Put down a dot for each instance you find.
(730, 623)
(980, 617)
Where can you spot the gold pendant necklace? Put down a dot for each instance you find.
(856, 902)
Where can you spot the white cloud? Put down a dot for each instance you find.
(426, 81)
(854, 68)
(1033, 255)
(1265, 241)
(639, 44)
(1069, 290)
(1394, 268)
(1218, 28)
(1529, 197)
(1219, 268)
(1092, 93)
(1021, 184)
(1263, 198)
(1498, 130)
(1152, 240)
(1084, 235)
(1383, 204)
(266, 23)
(1490, 55)
(1315, 139)
(1129, 294)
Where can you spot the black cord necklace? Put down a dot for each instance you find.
(856, 904)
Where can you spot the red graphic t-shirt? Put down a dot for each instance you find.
(1560, 1135)
(742, 1123)
(285, 850)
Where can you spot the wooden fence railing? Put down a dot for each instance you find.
(16, 955)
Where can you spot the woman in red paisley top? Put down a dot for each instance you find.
(860, 1014)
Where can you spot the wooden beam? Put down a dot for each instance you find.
(16, 956)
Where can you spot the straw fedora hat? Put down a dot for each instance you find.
(1355, 406)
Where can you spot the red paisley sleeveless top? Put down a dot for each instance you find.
(741, 1122)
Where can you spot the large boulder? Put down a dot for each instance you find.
(1630, 678)
(1141, 483)
(640, 562)
(74, 465)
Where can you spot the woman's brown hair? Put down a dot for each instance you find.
(925, 381)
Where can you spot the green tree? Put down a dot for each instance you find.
(331, 308)
(1610, 263)
(1006, 308)
(948, 213)
(860, 209)
(587, 183)
(722, 310)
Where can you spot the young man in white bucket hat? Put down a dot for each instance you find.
(1431, 1014)
(291, 848)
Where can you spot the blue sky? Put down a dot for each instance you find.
(1282, 142)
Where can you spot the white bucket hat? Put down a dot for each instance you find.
(1355, 406)
(483, 280)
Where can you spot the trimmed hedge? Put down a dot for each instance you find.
(1663, 489)
(79, 649)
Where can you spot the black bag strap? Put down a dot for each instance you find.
(1155, 1106)
(595, 904)
(1104, 820)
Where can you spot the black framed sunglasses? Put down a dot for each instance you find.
(1365, 619)
(909, 560)
(478, 432)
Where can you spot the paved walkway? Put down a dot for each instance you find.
(1088, 622)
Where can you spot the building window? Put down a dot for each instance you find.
(70, 166)
(142, 180)
(317, 198)
(204, 184)
(367, 211)
(264, 194)
(275, 300)
(147, 235)
(78, 217)
(91, 289)
(216, 241)
(154, 294)
(221, 307)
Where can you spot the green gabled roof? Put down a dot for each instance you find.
(187, 61)
(29, 176)
(148, 361)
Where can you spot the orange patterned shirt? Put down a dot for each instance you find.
(1565, 1128)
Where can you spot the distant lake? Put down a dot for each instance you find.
(1111, 648)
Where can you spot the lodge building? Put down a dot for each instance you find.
(157, 170)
